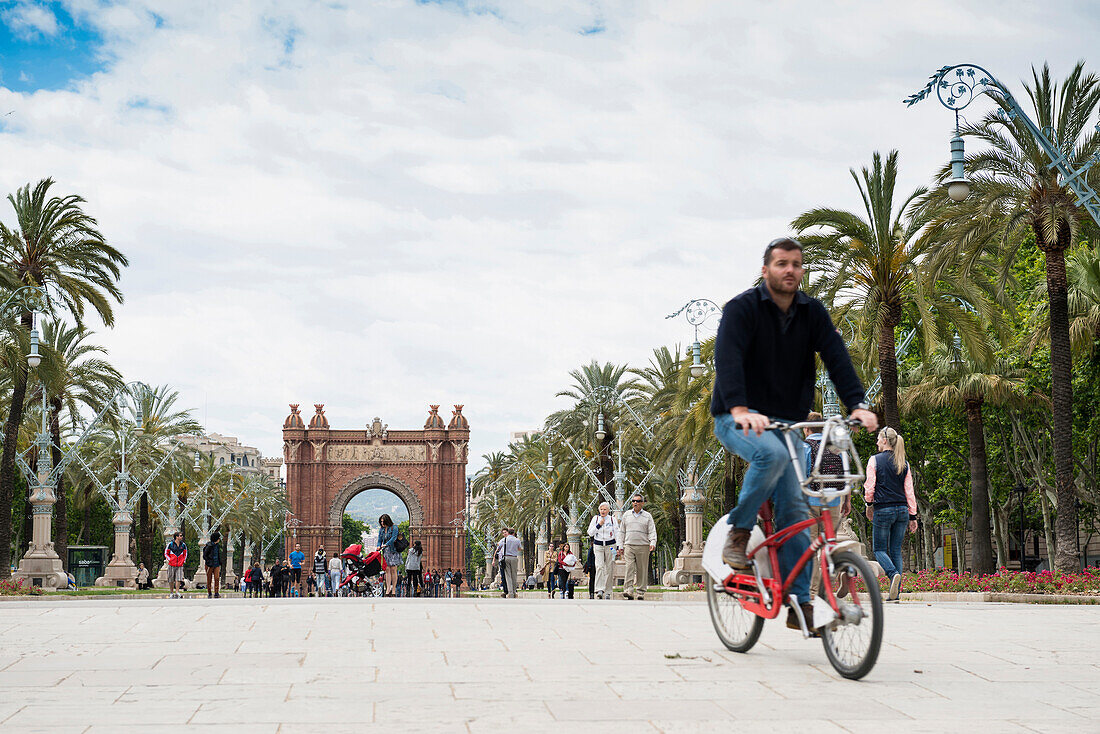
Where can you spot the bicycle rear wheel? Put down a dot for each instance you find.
(852, 641)
(737, 628)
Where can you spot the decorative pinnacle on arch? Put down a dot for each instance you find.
(319, 420)
(294, 420)
(434, 419)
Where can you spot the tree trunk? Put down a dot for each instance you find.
(888, 373)
(1061, 381)
(145, 532)
(61, 510)
(86, 524)
(1049, 535)
(982, 553)
(7, 459)
(1000, 545)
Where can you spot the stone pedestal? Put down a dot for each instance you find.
(121, 570)
(540, 546)
(229, 576)
(688, 566)
(42, 566)
(199, 579)
(161, 581)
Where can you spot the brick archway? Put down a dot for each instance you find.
(426, 468)
(377, 480)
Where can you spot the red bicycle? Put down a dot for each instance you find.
(848, 611)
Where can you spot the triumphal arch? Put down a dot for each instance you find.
(426, 468)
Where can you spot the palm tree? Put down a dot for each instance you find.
(1083, 299)
(1013, 188)
(73, 377)
(877, 268)
(952, 379)
(58, 247)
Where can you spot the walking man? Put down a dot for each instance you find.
(509, 561)
(764, 371)
(602, 530)
(175, 553)
(638, 538)
(296, 560)
(212, 557)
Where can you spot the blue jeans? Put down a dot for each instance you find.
(770, 475)
(889, 530)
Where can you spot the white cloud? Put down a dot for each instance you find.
(28, 19)
(384, 205)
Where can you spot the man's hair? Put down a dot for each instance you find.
(637, 495)
(783, 243)
(815, 416)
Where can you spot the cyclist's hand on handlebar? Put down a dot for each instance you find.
(867, 418)
(749, 420)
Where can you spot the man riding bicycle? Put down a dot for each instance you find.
(764, 360)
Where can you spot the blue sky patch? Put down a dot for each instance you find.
(42, 47)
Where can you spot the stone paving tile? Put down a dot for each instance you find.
(298, 711)
(168, 711)
(792, 726)
(44, 729)
(600, 710)
(930, 726)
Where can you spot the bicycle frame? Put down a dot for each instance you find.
(765, 596)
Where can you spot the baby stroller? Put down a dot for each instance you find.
(363, 572)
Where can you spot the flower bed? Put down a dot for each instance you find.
(16, 587)
(1003, 581)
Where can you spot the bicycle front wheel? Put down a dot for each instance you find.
(853, 639)
(737, 628)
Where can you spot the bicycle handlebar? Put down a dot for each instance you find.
(781, 426)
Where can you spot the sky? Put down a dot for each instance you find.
(383, 205)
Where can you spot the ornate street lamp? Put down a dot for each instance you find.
(957, 86)
(696, 312)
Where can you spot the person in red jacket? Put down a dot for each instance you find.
(176, 555)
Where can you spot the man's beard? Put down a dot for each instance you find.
(777, 286)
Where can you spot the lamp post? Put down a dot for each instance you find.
(41, 566)
(697, 311)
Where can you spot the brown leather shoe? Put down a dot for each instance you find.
(733, 553)
(808, 613)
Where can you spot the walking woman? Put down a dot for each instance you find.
(891, 504)
(412, 568)
(387, 537)
(549, 569)
(566, 563)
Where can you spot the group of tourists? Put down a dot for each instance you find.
(631, 538)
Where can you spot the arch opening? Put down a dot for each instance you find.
(373, 481)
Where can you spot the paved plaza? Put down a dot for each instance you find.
(350, 665)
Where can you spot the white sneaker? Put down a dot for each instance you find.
(895, 588)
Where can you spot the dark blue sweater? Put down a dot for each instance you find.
(765, 361)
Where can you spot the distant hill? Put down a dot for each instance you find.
(368, 506)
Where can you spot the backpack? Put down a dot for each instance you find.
(401, 544)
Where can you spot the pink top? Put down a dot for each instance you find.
(869, 488)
